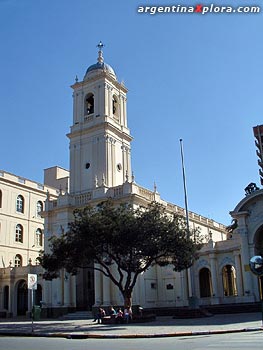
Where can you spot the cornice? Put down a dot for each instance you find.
(246, 200)
(102, 75)
(28, 188)
(104, 126)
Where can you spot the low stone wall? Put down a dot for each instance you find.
(55, 312)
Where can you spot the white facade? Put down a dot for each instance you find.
(100, 168)
(21, 223)
(22, 202)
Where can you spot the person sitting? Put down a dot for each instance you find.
(101, 313)
(112, 314)
(127, 315)
(119, 316)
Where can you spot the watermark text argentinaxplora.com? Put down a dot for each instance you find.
(199, 9)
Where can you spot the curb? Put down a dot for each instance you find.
(128, 336)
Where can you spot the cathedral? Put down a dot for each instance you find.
(100, 168)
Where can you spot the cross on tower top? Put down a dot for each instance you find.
(100, 46)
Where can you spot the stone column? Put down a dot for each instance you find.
(12, 296)
(184, 286)
(81, 107)
(243, 232)
(73, 300)
(67, 301)
(98, 104)
(136, 293)
(240, 291)
(113, 164)
(98, 287)
(107, 160)
(160, 286)
(106, 290)
(1, 298)
(142, 289)
(106, 100)
(121, 119)
(109, 112)
(214, 274)
(125, 113)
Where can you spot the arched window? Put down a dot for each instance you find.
(229, 280)
(205, 283)
(39, 237)
(0, 199)
(115, 106)
(89, 104)
(20, 204)
(19, 233)
(18, 260)
(39, 208)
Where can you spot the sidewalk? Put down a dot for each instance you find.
(162, 327)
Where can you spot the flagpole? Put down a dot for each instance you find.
(185, 190)
(190, 277)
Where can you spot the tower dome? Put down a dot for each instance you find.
(100, 66)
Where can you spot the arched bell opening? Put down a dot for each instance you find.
(89, 104)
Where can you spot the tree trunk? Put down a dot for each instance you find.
(127, 295)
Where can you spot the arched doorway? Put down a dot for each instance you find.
(229, 280)
(205, 283)
(6, 297)
(22, 298)
(85, 289)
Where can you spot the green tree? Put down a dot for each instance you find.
(131, 239)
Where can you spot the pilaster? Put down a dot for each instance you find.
(240, 290)
(106, 290)
(98, 287)
(245, 257)
(214, 275)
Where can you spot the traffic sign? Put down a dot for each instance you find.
(32, 281)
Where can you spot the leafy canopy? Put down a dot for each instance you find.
(132, 239)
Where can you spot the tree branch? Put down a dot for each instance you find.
(109, 274)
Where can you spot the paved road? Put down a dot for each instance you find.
(163, 326)
(232, 341)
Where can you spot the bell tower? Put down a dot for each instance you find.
(100, 152)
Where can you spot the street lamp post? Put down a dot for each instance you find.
(256, 266)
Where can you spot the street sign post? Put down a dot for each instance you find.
(32, 284)
(32, 281)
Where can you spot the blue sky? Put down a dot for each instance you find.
(195, 77)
